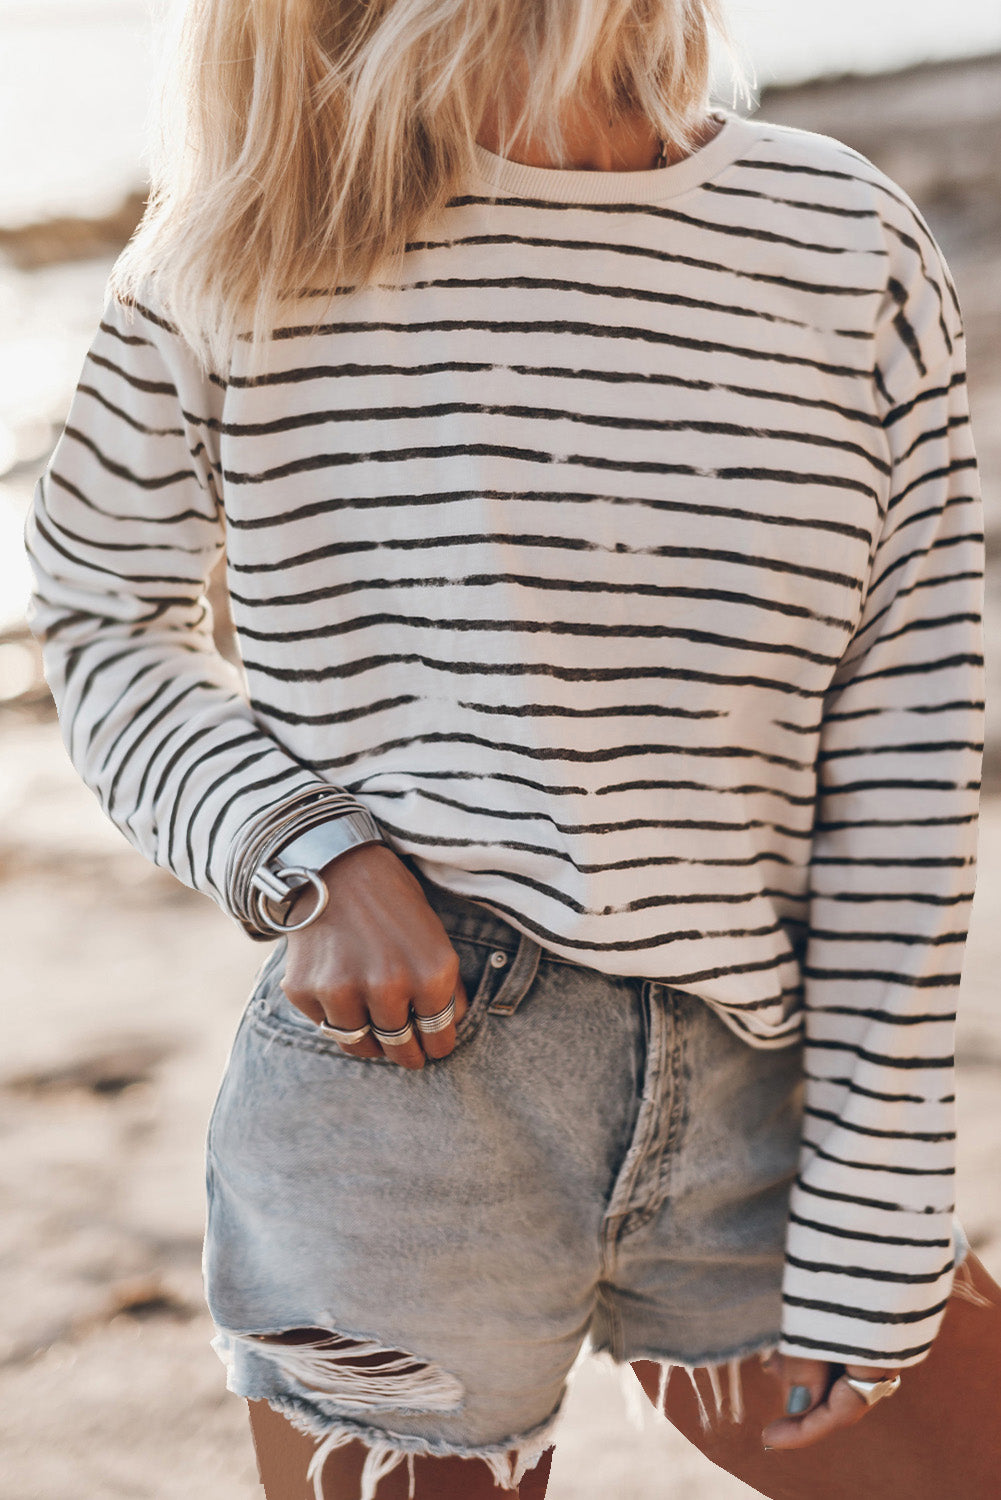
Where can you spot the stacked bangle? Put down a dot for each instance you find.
(272, 860)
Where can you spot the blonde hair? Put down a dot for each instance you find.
(305, 139)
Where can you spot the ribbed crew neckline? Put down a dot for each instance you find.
(507, 178)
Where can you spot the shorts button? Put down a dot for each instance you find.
(498, 959)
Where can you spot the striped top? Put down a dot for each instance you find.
(623, 553)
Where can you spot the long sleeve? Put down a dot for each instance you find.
(125, 529)
(870, 1241)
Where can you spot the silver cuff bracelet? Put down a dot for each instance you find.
(274, 856)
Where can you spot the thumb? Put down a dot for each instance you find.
(803, 1382)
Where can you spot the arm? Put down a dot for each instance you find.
(126, 527)
(870, 1245)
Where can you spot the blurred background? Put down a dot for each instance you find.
(123, 989)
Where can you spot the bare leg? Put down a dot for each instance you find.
(939, 1436)
(283, 1455)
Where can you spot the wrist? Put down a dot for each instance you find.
(343, 869)
(271, 857)
(301, 863)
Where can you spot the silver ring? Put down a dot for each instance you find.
(345, 1038)
(872, 1391)
(259, 910)
(439, 1021)
(397, 1038)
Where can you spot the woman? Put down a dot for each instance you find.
(606, 564)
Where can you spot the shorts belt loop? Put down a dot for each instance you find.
(518, 979)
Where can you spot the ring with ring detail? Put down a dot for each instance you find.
(305, 877)
(345, 1038)
(440, 1021)
(872, 1391)
(398, 1038)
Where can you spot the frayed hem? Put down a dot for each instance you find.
(508, 1462)
(721, 1376)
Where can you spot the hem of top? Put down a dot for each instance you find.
(656, 184)
(794, 1349)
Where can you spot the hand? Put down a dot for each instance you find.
(833, 1404)
(377, 949)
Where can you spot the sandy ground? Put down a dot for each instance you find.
(122, 990)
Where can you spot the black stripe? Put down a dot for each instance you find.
(300, 374)
(912, 939)
(687, 507)
(868, 1166)
(236, 769)
(662, 784)
(121, 413)
(740, 230)
(913, 747)
(230, 774)
(554, 543)
(925, 898)
(94, 567)
(865, 1314)
(619, 421)
(614, 290)
(807, 206)
(903, 1278)
(664, 257)
(934, 1137)
(881, 1059)
(318, 462)
(502, 626)
(576, 328)
(536, 582)
(150, 387)
(882, 1204)
(880, 1094)
(175, 519)
(124, 760)
(839, 1233)
(888, 976)
(519, 669)
(929, 393)
(854, 1352)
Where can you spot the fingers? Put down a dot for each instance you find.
(344, 1008)
(816, 1399)
(380, 956)
(393, 1015)
(393, 1024)
(841, 1408)
(431, 1006)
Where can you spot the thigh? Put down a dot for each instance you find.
(939, 1437)
(283, 1456)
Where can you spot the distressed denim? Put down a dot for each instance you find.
(600, 1164)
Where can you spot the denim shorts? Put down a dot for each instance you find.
(600, 1165)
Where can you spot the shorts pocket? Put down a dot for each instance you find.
(482, 967)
